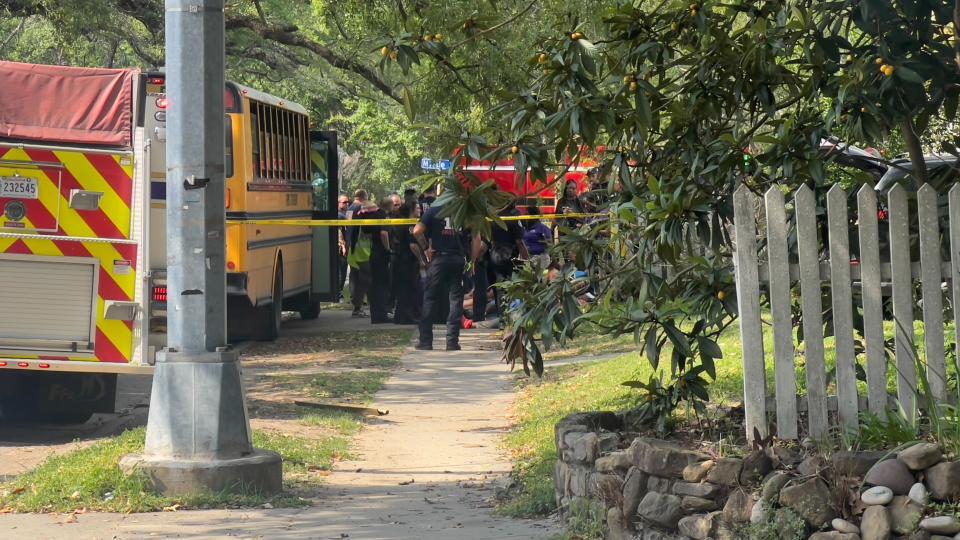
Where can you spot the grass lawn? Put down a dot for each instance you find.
(90, 478)
(345, 367)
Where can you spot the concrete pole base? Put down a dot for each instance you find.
(198, 435)
(259, 473)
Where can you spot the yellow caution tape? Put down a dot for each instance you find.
(388, 222)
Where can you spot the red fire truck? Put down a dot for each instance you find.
(82, 228)
(528, 191)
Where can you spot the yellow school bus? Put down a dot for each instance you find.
(273, 160)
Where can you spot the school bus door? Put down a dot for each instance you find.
(326, 188)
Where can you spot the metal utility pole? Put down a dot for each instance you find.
(198, 433)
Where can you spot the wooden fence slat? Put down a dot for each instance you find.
(933, 346)
(808, 247)
(841, 295)
(955, 256)
(780, 309)
(748, 298)
(902, 299)
(872, 296)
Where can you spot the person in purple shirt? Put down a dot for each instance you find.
(537, 237)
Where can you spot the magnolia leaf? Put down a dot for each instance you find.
(409, 105)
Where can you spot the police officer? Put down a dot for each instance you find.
(447, 249)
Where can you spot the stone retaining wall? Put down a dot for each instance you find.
(650, 489)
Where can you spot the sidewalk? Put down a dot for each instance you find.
(447, 412)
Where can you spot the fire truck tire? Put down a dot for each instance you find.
(21, 403)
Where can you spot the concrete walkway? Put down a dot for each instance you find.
(423, 472)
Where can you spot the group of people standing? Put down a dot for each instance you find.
(420, 274)
(384, 264)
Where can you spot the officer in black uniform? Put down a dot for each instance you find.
(447, 249)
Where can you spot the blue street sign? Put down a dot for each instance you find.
(445, 165)
(426, 164)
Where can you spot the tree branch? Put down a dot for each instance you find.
(496, 27)
(288, 35)
(915, 149)
(260, 11)
(16, 32)
(150, 58)
(339, 23)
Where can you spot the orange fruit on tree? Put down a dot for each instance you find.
(721, 295)
(515, 149)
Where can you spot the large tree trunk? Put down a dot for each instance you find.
(915, 149)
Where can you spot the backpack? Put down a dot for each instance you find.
(361, 251)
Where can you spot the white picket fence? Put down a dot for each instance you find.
(781, 278)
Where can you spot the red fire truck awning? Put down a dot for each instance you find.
(66, 104)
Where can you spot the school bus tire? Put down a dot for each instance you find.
(310, 310)
(274, 311)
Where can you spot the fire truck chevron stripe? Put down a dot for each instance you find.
(115, 207)
(111, 220)
(118, 176)
(106, 350)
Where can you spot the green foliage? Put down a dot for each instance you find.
(387, 140)
(785, 525)
(880, 433)
(912, 38)
(675, 93)
(586, 520)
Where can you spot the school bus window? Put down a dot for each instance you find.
(319, 151)
(255, 142)
(228, 139)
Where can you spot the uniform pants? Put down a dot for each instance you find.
(481, 282)
(359, 283)
(445, 274)
(379, 287)
(404, 283)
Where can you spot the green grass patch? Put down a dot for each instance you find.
(541, 404)
(341, 423)
(90, 477)
(351, 386)
(591, 341)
